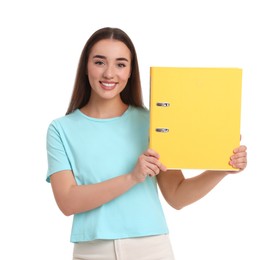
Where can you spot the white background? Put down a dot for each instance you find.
(41, 43)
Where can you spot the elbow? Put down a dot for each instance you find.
(67, 211)
(66, 206)
(175, 204)
(178, 207)
(179, 204)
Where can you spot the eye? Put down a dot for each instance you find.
(99, 62)
(121, 65)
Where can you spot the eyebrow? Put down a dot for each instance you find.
(104, 57)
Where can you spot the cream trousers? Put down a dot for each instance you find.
(142, 248)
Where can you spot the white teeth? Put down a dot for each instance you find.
(109, 85)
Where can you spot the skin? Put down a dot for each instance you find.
(108, 69)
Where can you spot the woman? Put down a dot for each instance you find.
(99, 164)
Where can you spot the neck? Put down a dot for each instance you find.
(104, 109)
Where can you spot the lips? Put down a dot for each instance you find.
(108, 85)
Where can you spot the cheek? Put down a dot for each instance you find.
(125, 76)
(93, 75)
(93, 81)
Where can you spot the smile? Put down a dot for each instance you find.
(107, 85)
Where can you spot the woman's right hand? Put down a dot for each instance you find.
(148, 164)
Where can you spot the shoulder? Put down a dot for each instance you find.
(138, 117)
(140, 112)
(63, 121)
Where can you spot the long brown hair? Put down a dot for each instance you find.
(132, 93)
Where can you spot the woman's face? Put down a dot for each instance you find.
(108, 68)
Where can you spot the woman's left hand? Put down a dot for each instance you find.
(239, 159)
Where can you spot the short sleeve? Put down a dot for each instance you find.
(56, 153)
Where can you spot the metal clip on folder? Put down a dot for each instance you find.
(162, 130)
(162, 104)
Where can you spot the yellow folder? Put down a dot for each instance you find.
(195, 116)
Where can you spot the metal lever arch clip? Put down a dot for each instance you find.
(163, 104)
(162, 130)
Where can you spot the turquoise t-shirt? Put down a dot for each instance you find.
(99, 149)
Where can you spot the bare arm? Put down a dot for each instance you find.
(180, 192)
(72, 198)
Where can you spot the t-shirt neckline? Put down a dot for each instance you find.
(105, 119)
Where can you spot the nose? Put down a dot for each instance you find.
(109, 72)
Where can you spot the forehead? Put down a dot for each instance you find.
(111, 48)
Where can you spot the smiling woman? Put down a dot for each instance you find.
(132, 93)
(109, 69)
(99, 164)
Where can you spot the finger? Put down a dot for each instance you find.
(239, 155)
(239, 163)
(153, 169)
(151, 152)
(240, 166)
(163, 168)
(155, 161)
(238, 160)
(241, 148)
